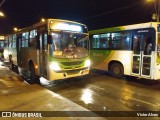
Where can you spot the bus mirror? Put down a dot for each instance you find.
(49, 39)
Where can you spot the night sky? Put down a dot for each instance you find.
(94, 13)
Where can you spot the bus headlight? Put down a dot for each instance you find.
(158, 66)
(54, 66)
(87, 63)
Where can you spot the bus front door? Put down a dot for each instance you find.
(141, 62)
(43, 55)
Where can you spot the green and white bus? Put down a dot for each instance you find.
(132, 50)
(53, 49)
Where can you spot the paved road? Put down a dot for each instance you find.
(18, 96)
(100, 92)
(9, 78)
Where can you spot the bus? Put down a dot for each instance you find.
(131, 50)
(53, 49)
(1, 47)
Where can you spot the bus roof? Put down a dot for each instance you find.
(46, 21)
(126, 27)
(55, 20)
(65, 21)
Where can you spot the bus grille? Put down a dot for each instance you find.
(72, 63)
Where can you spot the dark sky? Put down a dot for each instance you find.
(94, 13)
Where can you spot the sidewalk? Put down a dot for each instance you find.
(16, 95)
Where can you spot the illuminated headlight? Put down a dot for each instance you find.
(158, 67)
(87, 63)
(54, 66)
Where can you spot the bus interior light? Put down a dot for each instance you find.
(54, 66)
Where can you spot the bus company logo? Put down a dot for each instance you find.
(6, 114)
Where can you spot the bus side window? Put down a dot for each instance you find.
(32, 41)
(14, 41)
(25, 37)
(10, 41)
(6, 42)
(95, 41)
(116, 41)
(126, 42)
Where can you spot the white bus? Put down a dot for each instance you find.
(53, 49)
(132, 50)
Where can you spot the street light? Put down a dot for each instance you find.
(1, 14)
(43, 20)
(15, 29)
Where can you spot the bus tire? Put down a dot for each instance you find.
(31, 72)
(117, 70)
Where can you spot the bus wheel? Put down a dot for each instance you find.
(32, 75)
(117, 70)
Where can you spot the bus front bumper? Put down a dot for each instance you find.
(68, 73)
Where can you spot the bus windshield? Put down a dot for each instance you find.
(69, 45)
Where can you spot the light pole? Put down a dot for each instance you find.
(157, 9)
(157, 5)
